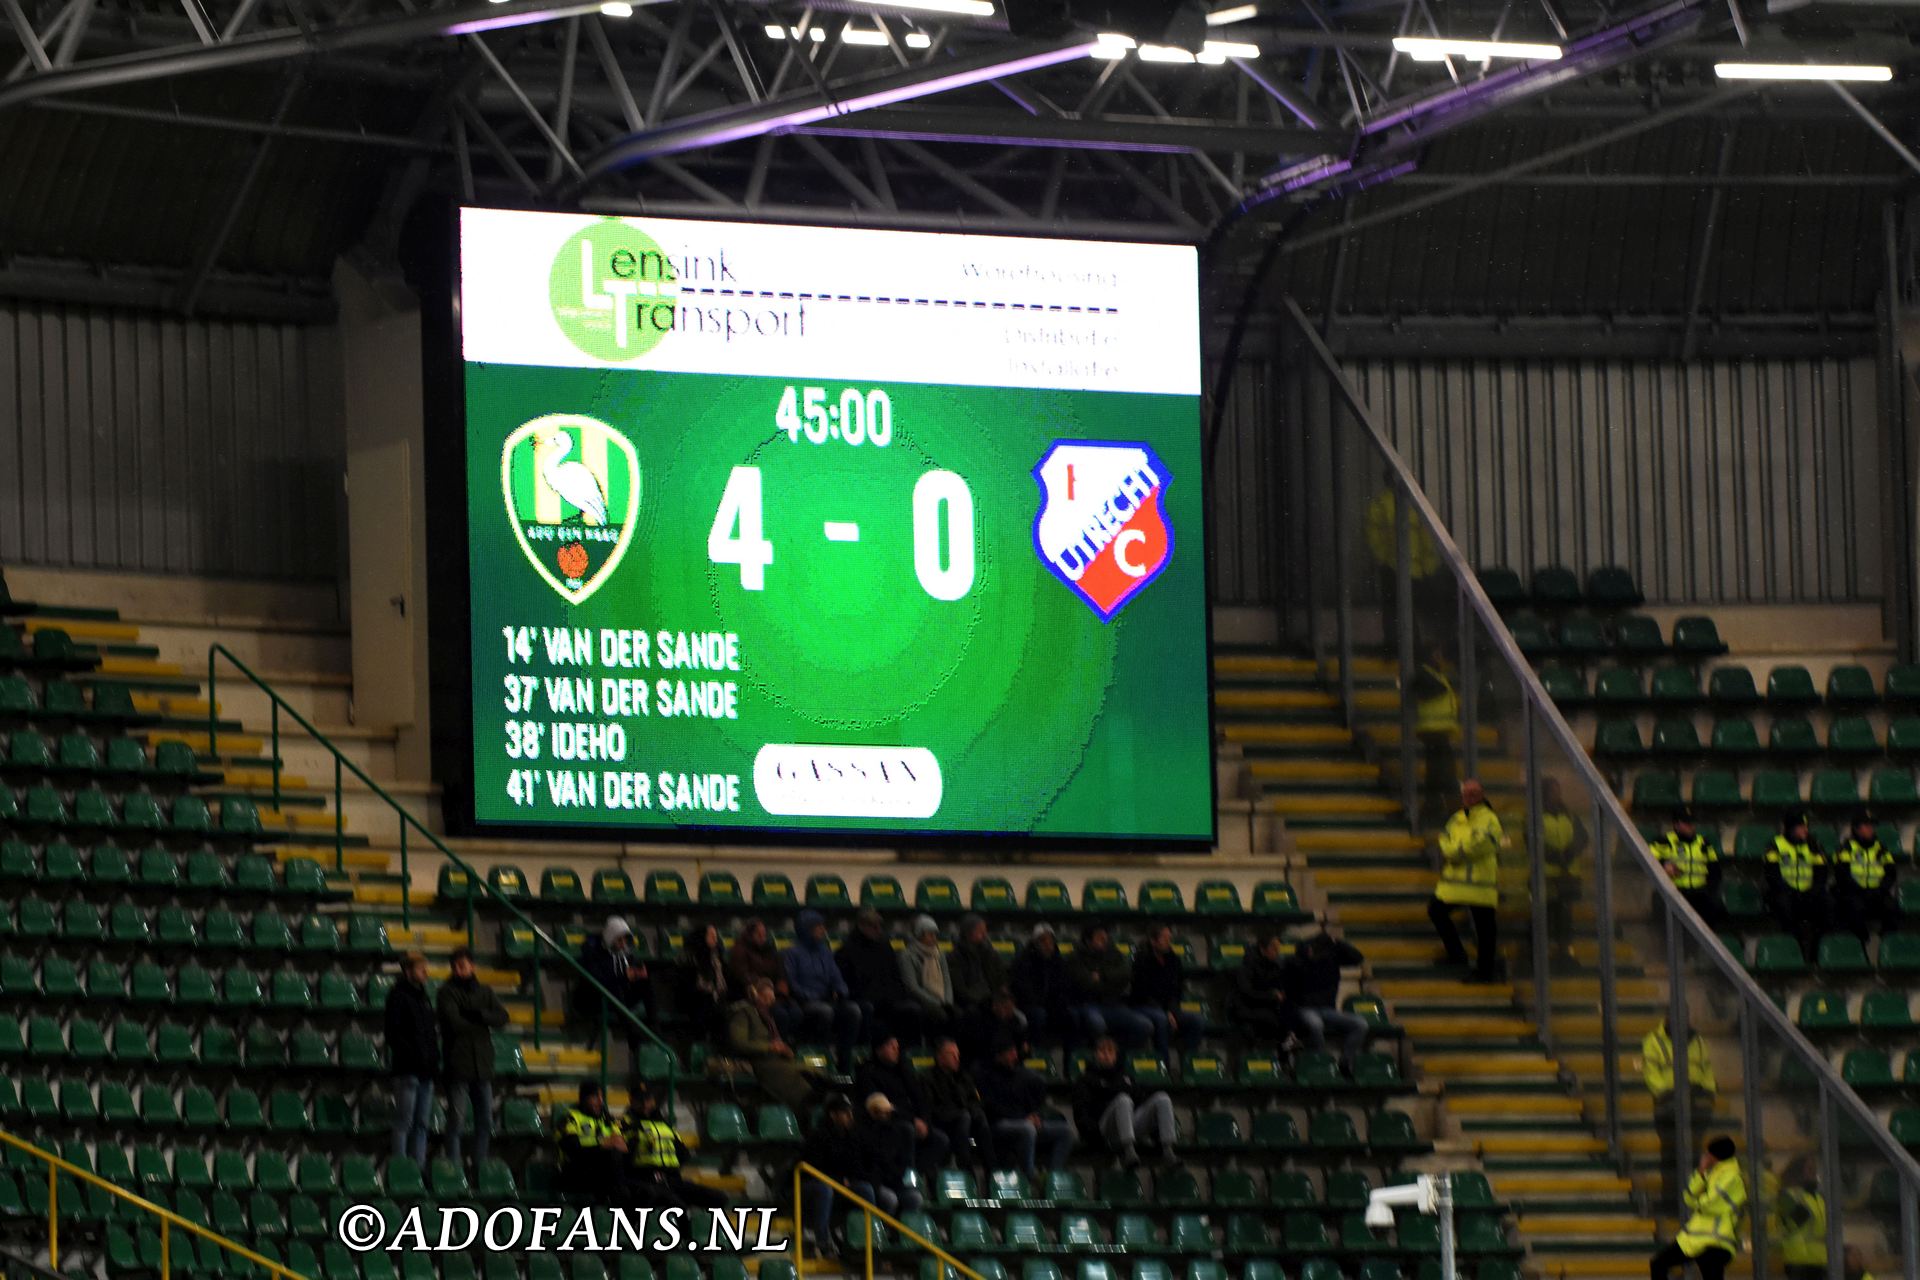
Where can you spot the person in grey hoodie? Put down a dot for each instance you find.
(820, 991)
(923, 968)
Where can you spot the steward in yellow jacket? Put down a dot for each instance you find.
(1797, 1223)
(1863, 881)
(1693, 864)
(592, 1151)
(1797, 891)
(1716, 1204)
(1469, 877)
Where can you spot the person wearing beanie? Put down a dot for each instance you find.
(823, 1002)
(978, 970)
(1863, 891)
(1014, 1099)
(592, 1149)
(924, 972)
(656, 1156)
(1716, 1204)
(1797, 884)
(609, 961)
(1470, 877)
(887, 1073)
(871, 968)
(1102, 985)
(1038, 980)
(1693, 864)
(835, 1151)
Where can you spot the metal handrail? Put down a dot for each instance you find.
(803, 1170)
(475, 881)
(168, 1218)
(1539, 703)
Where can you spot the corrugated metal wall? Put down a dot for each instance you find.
(1714, 482)
(1750, 482)
(151, 444)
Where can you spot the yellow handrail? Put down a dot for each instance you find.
(802, 1171)
(168, 1218)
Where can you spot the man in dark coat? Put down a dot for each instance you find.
(1039, 981)
(1102, 982)
(836, 1151)
(886, 1072)
(954, 1109)
(1015, 1099)
(413, 1056)
(1313, 996)
(609, 961)
(872, 969)
(1159, 985)
(1258, 1000)
(469, 1012)
(978, 970)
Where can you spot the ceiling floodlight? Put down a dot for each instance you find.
(1238, 13)
(965, 8)
(851, 34)
(1800, 71)
(1433, 49)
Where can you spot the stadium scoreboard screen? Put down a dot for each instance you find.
(795, 529)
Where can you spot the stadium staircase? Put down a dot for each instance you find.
(1519, 1110)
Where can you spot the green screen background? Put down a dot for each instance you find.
(1045, 720)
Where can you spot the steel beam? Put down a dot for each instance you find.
(837, 99)
(28, 37)
(1080, 133)
(1874, 123)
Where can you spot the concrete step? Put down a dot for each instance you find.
(1521, 1185)
(1540, 1144)
(1626, 1225)
(1333, 841)
(1284, 736)
(1312, 771)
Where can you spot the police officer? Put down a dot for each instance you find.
(1693, 864)
(1797, 1227)
(592, 1152)
(1863, 890)
(1797, 883)
(1469, 877)
(657, 1153)
(1657, 1073)
(1716, 1201)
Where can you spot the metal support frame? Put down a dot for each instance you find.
(1909, 1231)
(1878, 126)
(1830, 1169)
(1756, 1143)
(1469, 691)
(210, 251)
(1709, 231)
(1542, 939)
(1609, 991)
(1403, 597)
(1343, 578)
(1679, 1031)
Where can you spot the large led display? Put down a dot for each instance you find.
(799, 529)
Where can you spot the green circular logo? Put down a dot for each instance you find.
(613, 291)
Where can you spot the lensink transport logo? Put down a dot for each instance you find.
(598, 276)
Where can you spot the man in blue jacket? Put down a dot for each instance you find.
(820, 990)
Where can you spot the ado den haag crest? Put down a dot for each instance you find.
(572, 485)
(1101, 528)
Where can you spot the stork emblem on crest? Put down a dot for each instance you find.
(572, 486)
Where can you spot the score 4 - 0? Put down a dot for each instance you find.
(942, 504)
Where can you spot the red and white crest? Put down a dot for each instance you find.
(1101, 528)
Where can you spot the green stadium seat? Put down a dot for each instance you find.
(1173, 1188)
(1867, 1069)
(1531, 635)
(775, 1123)
(1716, 790)
(667, 889)
(1752, 840)
(1391, 1132)
(1792, 738)
(1903, 685)
(1834, 789)
(509, 882)
(1886, 1012)
(1047, 896)
(1732, 688)
(454, 884)
(205, 872)
(991, 894)
(1658, 791)
(1555, 587)
(1332, 1132)
(1777, 955)
(1217, 898)
(239, 817)
(1218, 1130)
(937, 895)
(1791, 686)
(827, 892)
(1637, 637)
(560, 886)
(1841, 954)
(1851, 686)
(1675, 687)
(1276, 900)
(773, 891)
(1905, 1127)
(1674, 737)
(1566, 686)
(1824, 1012)
(1502, 585)
(1619, 739)
(1903, 736)
(1776, 790)
(1742, 900)
(613, 889)
(1852, 736)
(720, 889)
(882, 893)
(1612, 587)
(1696, 637)
(1892, 789)
(170, 759)
(1619, 688)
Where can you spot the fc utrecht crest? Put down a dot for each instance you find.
(1101, 528)
(572, 485)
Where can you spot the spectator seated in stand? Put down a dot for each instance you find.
(1312, 985)
(1159, 985)
(609, 961)
(978, 970)
(1101, 983)
(1040, 987)
(821, 998)
(926, 976)
(1259, 998)
(889, 1075)
(1015, 1100)
(955, 1110)
(1108, 1105)
(872, 969)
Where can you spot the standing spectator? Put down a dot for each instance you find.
(1693, 864)
(609, 961)
(888, 1155)
(1797, 883)
(703, 981)
(954, 1109)
(1107, 1104)
(833, 1149)
(1657, 1073)
(1013, 1098)
(1159, 985)
(753, 1035)
(1716, 1201)
(1437, 721)
(1040, 988)
(1864, 889)
(819, 991)
(924, 972)
(872, 969)
(1258, 1001)
(1469, 877)
(1000, 1019)
(1313, 996)
(657, 1155)
(592, 1149)
(469, 1012)
(978, 970)
(887, 1073)
(1100, 981)
(413, 1056)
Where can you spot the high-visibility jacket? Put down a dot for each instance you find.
(1439, 710)
(1867, 864)
(585, 1130)
(1716, 1202)
(1656, 1063)
(653, 1143)
(1470, 858)
(1422, 557)
(1801, 866)
(1692, 860)
(1556, 831)
(1799, 1228)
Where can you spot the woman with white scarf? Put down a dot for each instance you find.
(923, 967)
